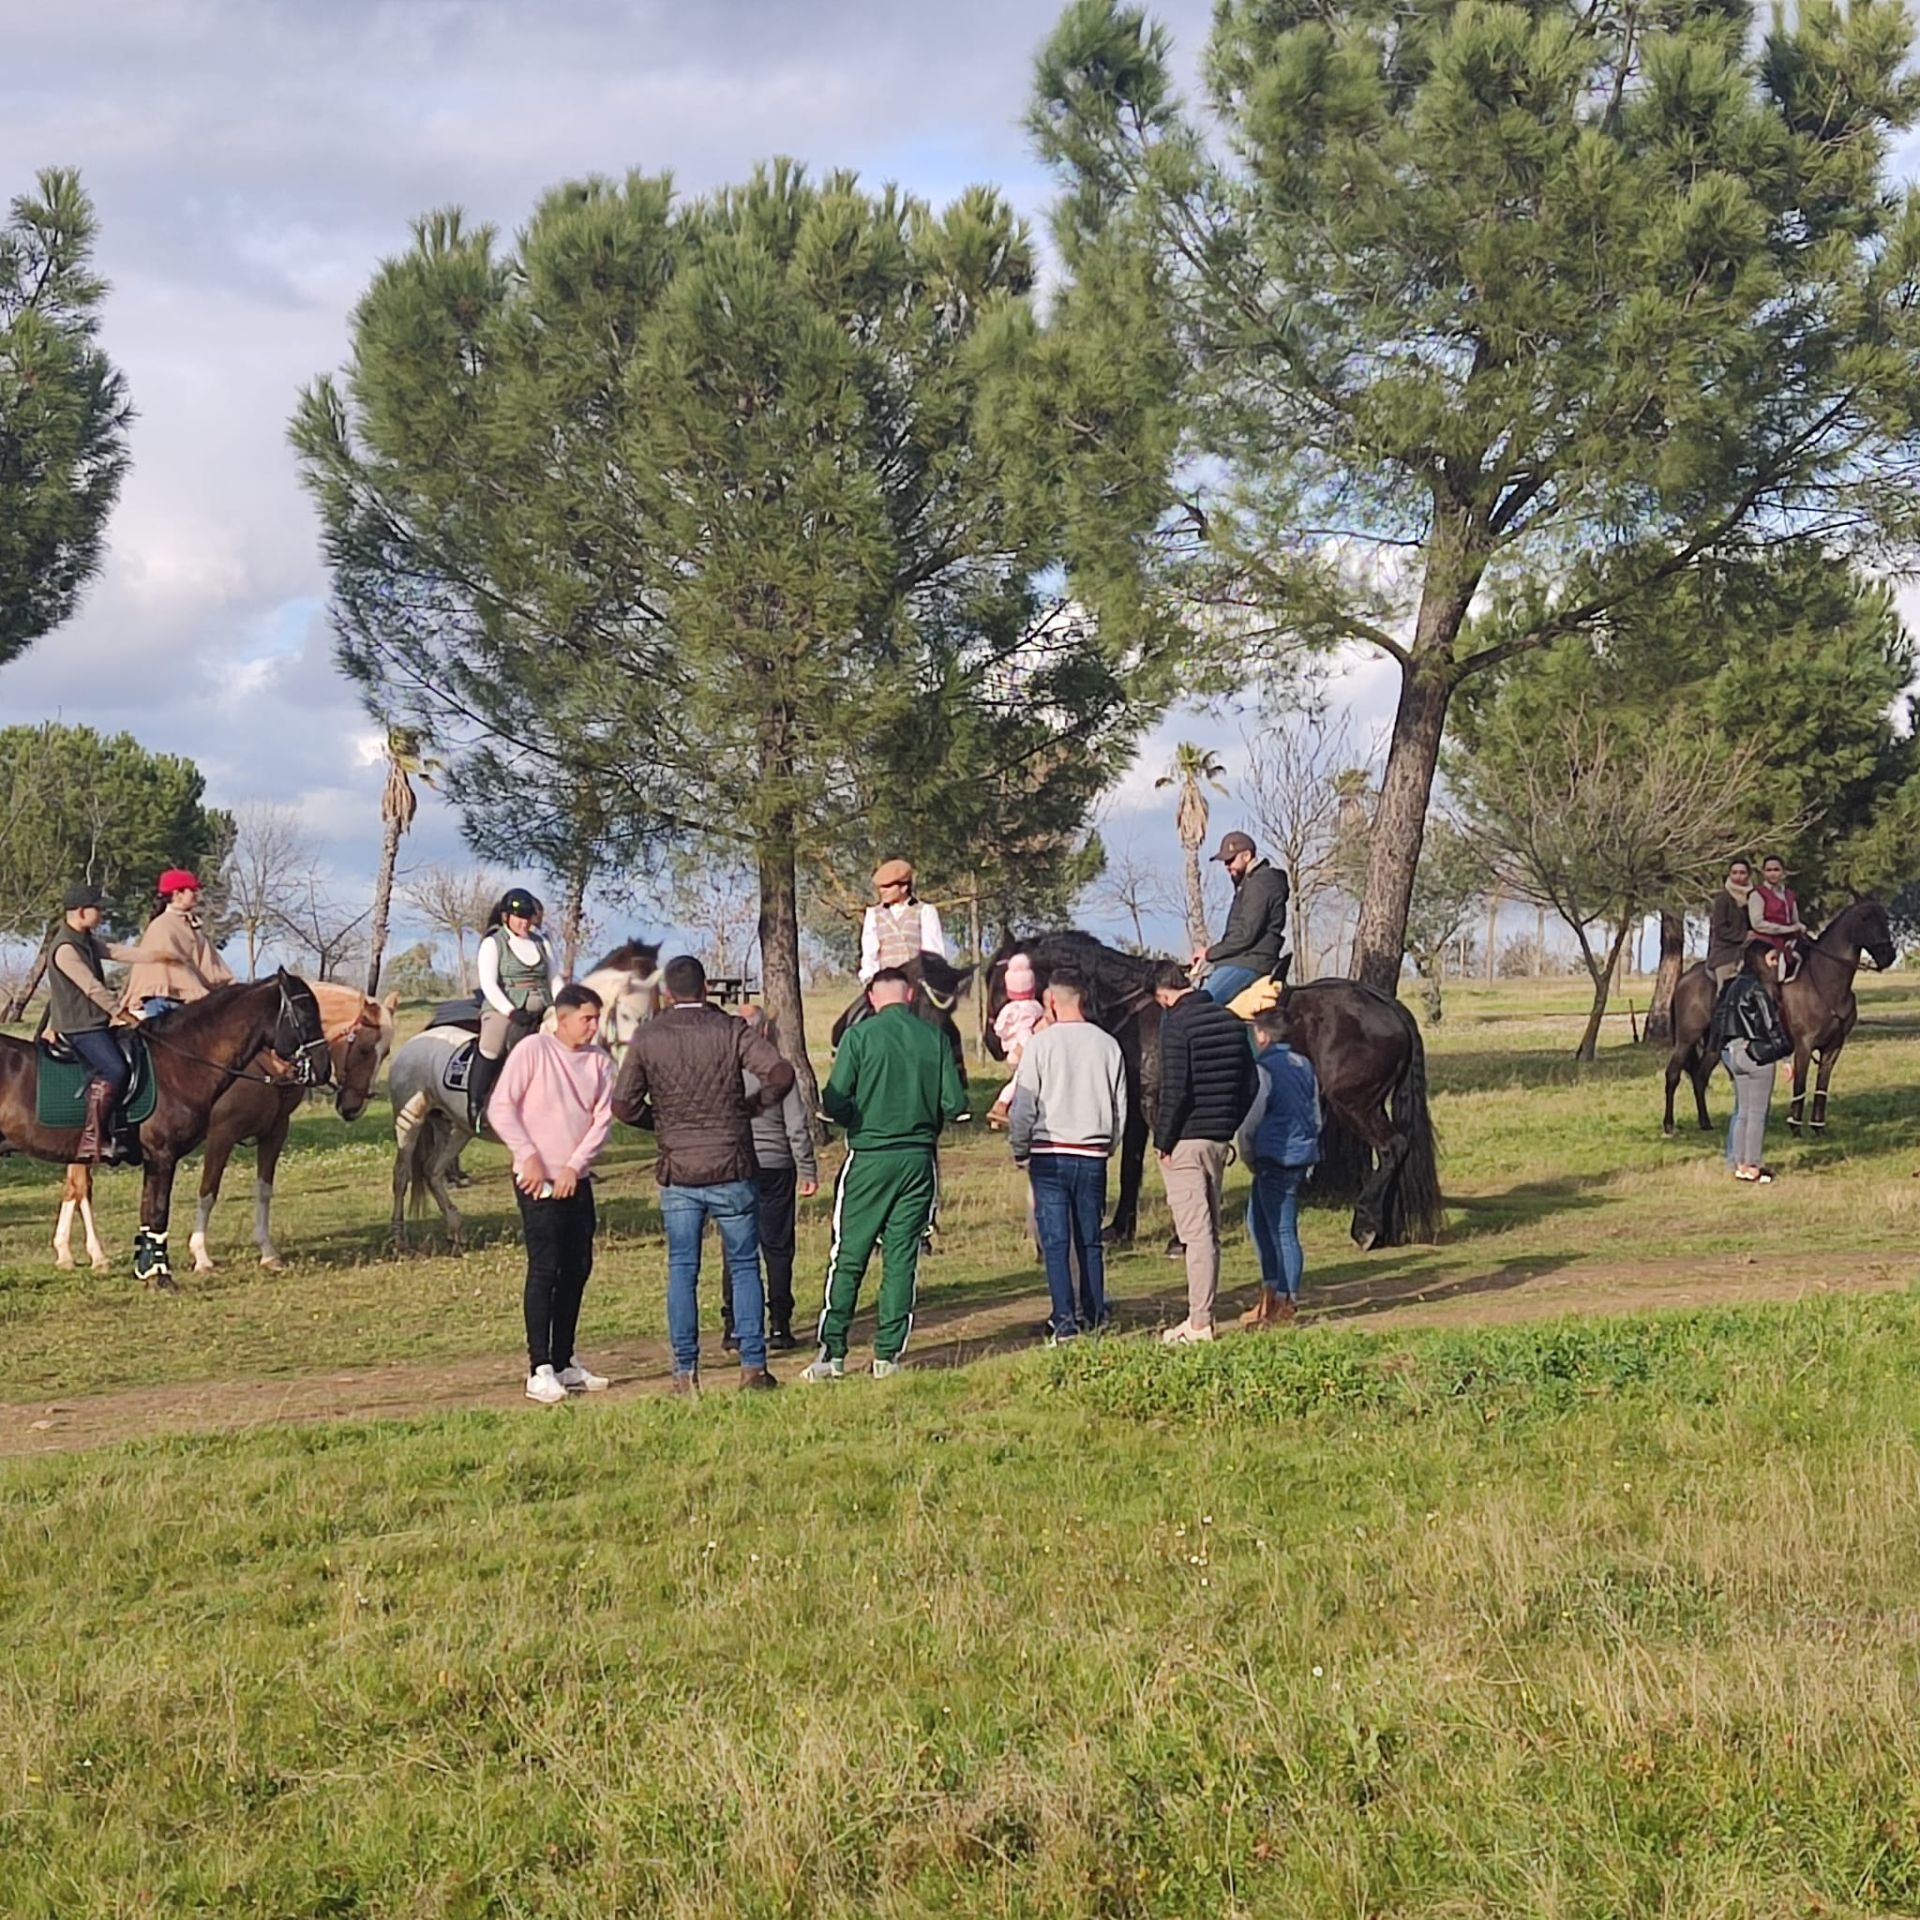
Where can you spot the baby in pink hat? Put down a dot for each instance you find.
(1015, 1024)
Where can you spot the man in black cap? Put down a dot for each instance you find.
(79, 1010)
(1256, 930)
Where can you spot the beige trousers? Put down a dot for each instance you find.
(1195, 1172)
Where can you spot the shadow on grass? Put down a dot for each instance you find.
(1525, 1205)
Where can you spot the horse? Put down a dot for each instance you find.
(1817, 1008)
(430, 1130)
(359, 1034)
(1365, 1049)
(197, 1052)
(628, 983)
(938, 987)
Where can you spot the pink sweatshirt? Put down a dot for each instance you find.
(553, 1101)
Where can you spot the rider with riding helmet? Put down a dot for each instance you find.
(175, 961)
(518, 983)
(80, 1009)
(1252, 943)
(1775, 915)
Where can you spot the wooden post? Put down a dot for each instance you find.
(979, 972)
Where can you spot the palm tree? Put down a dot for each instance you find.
(398, 804)
(1194, 770)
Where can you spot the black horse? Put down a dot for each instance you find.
(1366, 1052)
(938, 989)
(1817, 1008)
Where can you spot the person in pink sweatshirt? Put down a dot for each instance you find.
(1014, 1025)
(552, 1108)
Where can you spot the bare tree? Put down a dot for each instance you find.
(1135, 891)
(722, 906)
(315, 923)
(455, 902)
(267, 874)
(1304, 793)
(1603, 822)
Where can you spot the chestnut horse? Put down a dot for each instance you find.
(1817, 1008)
(359, 1035)
(197, 1052)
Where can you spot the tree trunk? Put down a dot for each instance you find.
(1432, 971)
(979, 971)
(1494, 902)
(1539, 941)
(382, 906)
(573, 921)
(1399, 825)
(780, 954)
(1196, 903)
(1673, 959)
(18, 1004)
(1602, 977)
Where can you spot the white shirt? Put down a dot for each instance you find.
(532, 950)
(932, 940)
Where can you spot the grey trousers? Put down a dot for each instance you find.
(1194, 1173)
(1752, 1094)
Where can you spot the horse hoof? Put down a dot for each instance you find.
(201, 1263)
(163, 1283)
(102, 1265)
(64, 1261)
(1117, 1237)
(272, 1263)
(1364, 1236)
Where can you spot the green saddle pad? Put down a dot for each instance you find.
(60, 1100)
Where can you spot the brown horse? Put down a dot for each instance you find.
(359, 1035)
(1366, 1053)
(197, 1053)
(1817, 1008)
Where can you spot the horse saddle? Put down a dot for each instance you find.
(464, 1014)
(61, 1076)
(459, 1068)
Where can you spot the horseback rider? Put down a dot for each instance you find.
(80, 1009)
(901, 926)
(1774, 914)
(1730, 923)
(518, 983)
(1253, 944)
(175, 961)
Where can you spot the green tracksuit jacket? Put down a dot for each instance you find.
(894, 1084)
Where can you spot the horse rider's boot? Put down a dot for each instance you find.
(94, 1130)
(126, 1141)
(480, 1079)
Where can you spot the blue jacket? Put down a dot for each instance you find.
(1288, 1130)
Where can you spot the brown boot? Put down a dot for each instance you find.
(756, 1380)
(93, 1133)
(1262, 1313)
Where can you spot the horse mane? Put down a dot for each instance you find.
(1852, 908)
(343, 1008)
(631, 956)
(1110, 971)
(941, 974)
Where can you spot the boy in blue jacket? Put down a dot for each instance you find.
(1280, 1142)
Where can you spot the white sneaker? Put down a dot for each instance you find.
(578, 1379)
(543, 1384)
(824, 1369)
(1186, 1334)
(885, 1369)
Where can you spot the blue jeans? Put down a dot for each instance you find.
(155, 1004)
(1069, 1207)
(734, 1208)
(1228, 983)
(1273, 1218)
(104, 1060)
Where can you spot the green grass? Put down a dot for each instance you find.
(1598, 1619)
(1580, 1617)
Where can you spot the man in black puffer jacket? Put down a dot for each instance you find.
(1206, 1090)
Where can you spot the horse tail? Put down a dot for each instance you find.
(1414, 1206)
(433, 1132)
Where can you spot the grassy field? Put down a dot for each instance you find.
(1606, 1615)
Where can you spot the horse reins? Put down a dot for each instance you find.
(302, 1074)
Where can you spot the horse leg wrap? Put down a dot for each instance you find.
(150, 1256)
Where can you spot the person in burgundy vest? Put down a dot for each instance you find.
(1775, 914)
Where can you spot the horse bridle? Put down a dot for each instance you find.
(301, 1071)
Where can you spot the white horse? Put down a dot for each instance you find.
(430, 1128)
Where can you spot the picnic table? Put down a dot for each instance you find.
(730, 989)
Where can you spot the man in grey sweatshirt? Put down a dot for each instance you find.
(789, 1172)
(1069, 1111)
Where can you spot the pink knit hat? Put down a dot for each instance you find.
(1020, 982)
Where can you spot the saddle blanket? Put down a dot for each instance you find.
(60, 1095)
(459, 1068)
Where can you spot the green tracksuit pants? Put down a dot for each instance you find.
(884, 1200)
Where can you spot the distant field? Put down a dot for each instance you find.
(1482, 1605)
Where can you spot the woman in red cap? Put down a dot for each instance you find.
(175, 961)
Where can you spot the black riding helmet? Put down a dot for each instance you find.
(519, 900)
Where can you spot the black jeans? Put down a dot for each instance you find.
(559, 1235)
(779, 1207)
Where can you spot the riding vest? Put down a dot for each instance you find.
(901, 932)
(527, 983)
(1781, 908)
(68, 1008)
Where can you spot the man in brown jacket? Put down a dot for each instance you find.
(682, 1077)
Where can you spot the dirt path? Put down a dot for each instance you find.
(1525, 1289)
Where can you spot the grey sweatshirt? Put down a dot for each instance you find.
(782, 1137)
(1070, 1093)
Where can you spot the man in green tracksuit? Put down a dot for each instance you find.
(894, 1083)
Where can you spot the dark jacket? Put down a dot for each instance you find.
(1206, 1073)
(1728, 930)
(1256, 927)
(683, 1077)
(894, 1084)
(1288, 1133)
(1745, 1011)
